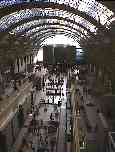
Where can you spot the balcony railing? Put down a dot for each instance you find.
(111, 141)
(11, 104)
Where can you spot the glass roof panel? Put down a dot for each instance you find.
(16, 17)
(65, 30)
(61, 39)
(44, 38)
(36, 23)
(37, 30)
(45, 35)
(90, 7)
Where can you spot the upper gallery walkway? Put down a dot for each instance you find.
(10, 103)
(92, 121)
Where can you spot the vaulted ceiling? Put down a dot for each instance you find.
(23, 23)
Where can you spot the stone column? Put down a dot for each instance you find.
(90, 66)
(94, 68)
(113, 82)
(29, 59)
(21, 63)
(18, 64)
(25, 61)
(1, 85)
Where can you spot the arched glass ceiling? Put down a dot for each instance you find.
(90, 7)
(41, 28)
(35, 23)
(40, 40)
(54, 28)
(60, 39)
(7, 21)
(47, 32)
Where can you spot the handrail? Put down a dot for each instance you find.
(111, 140)
(57, 135)
(11, 107)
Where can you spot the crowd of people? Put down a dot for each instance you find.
(42, 132)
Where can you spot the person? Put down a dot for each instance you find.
(57, 85)
(55, 91)
(48, 100)
(34, 123)
(59, 103)
(82, 99)
(32, 97)
(46, 143)
(36, 87)
(37, 111)
(41, 139)
(45, 109)
(84, 90)
(15, 86)
(19, 82)
(43, 83)
(51, 116)
(20, 116)
(98, 111)
(41, 122)
(56, 114)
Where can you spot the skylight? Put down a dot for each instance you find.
(60, 39)
(16, 17)
(91, 7)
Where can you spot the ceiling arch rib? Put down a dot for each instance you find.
(61, 33)
(40, 40)
(17, 17)
(2, 34)
(11, 9)
(45, 32)
(34, 34)
(66, 31)
(91, 8)
(57, 31)
(43, 38)
(40, 29)
(20, 30)
(18, 26)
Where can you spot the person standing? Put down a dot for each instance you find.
(43, 82)
(20, 116)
